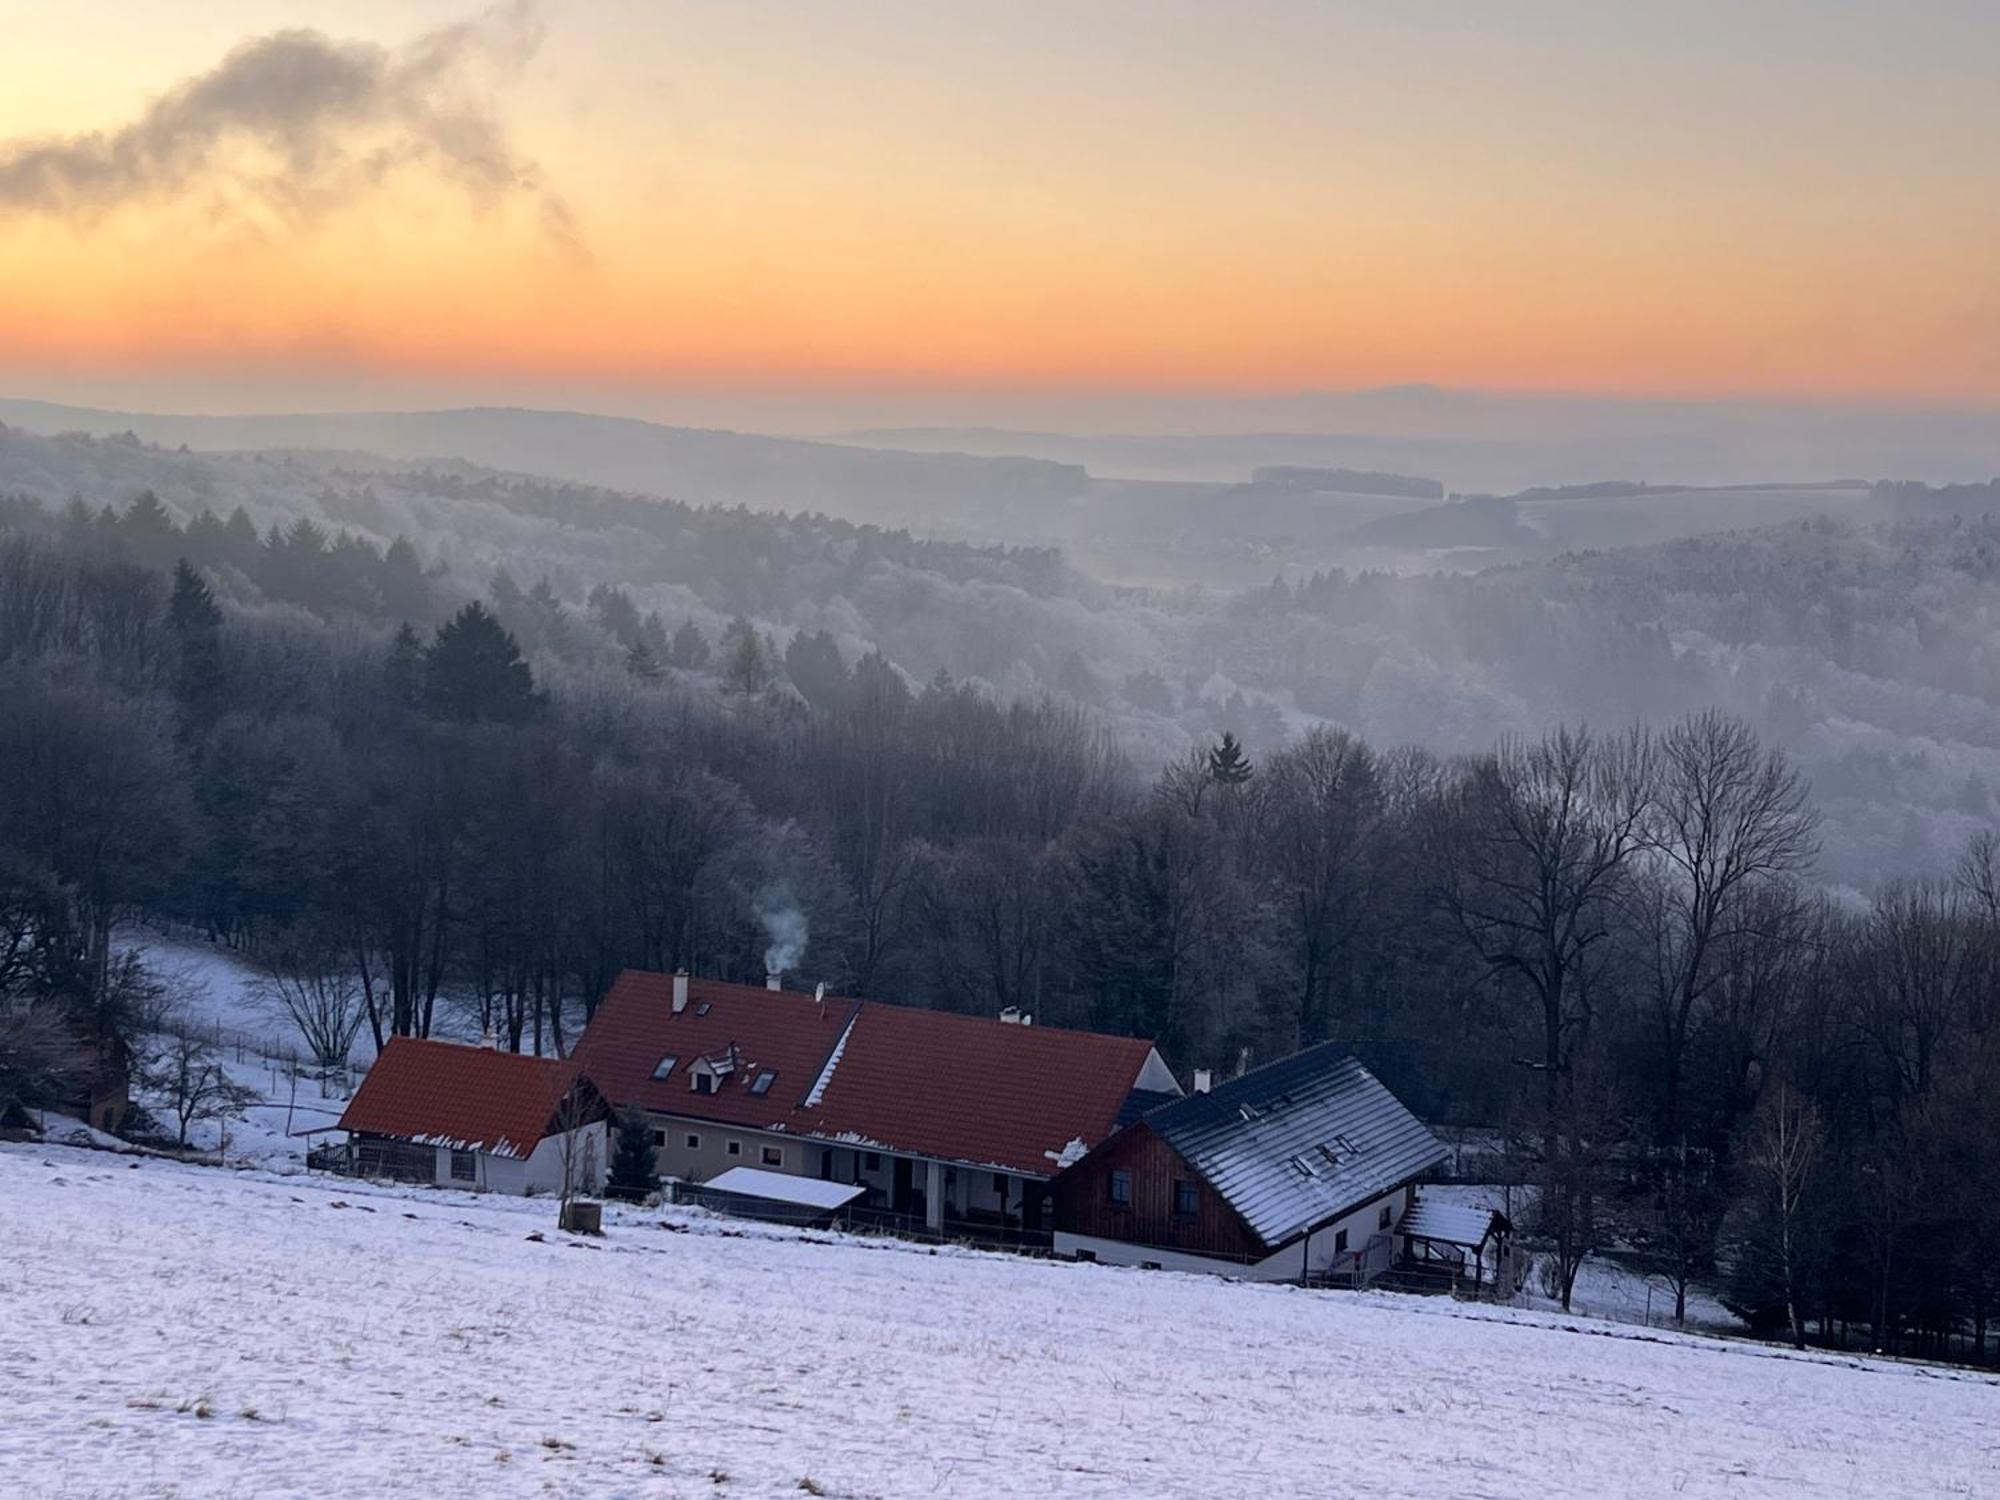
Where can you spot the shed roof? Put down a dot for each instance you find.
(1449, 1223)
(467, 1098)
(783, 1187)
(987, 1093)
(1298, 1142)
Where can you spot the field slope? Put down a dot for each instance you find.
(177, 1331)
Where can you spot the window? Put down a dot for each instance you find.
(693, 1141)
(774, 1156)
(1186, 1197)
(735, 1148)
(761, 1084)
(1000, 1185)
(873, 1161)
(701, 1009)
(1087, 1255)
(1305, 1165)
(1121, 1189)
(665, 1066)
(704, 1083)
(464, 1166)
(1149, 1265)
(1340, 1242)
(1384, 1218)
(659, 1138)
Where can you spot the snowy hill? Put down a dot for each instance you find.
(180, 1331)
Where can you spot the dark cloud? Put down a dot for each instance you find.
(324, 121)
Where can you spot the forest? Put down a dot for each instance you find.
(1609, 945)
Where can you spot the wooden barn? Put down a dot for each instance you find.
(1302, 1169)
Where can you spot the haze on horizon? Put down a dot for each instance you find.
(1132, 216)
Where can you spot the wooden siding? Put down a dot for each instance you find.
(1083, 1201)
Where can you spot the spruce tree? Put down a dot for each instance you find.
(641, 663)
(633, 1173)
(474, 672)
(404, 668)
(689, 651)
(196, 622)
(1227, 764)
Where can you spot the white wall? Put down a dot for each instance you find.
(542, 1172)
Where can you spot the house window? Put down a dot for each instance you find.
(1149, 1265)
(1087, 1255)
(735, 1148)
(665, 1066)
(1000, 1185)
(1121, 1189)
(701, 1009)
(1383, 1219)
(1186, 1198)
(464, 1166)
(761, 1084)
(1340, 1242)
(872, 1161)
(774, 1156)
(659, 1139)
(703, 1083)
(693, 1141)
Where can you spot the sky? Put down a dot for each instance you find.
(829, 211)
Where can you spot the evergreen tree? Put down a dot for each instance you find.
(1227, 764)
(633, 1172)
(474, 672)
(196, 621)
(689, 651)
(641, 663)
(745, 667)
(404, 668)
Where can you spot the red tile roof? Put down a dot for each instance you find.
(469, 1098)
(924, 1082)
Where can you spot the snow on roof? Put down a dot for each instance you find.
(1448, 1223)
(466, 1098)
(964, 1089)
(782, 1187)
(1300, 1141)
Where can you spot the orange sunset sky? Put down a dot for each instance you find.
(628, 198)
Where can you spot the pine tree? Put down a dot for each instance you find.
(196, 621)
(641, 663)
(745, 668)
(633, 1167)
(689, 651)
(1227, 764)
(404, 668)
(474, 671)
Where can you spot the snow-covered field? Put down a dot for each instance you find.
(174, 1330)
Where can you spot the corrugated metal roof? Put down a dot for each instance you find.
(1448, 1223)
(1297, 1142)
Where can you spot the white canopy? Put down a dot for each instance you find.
(1447, 1223)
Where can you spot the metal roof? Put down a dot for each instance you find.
(1448, 1223)
(1297, 1142)
(783, 1187)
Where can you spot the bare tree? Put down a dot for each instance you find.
(307, 982)
(191, 1084)
(1530, 864)
(1727, 819)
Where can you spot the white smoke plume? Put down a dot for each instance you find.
(786, 926)
(298, 123)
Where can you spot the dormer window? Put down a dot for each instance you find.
(701, 1080)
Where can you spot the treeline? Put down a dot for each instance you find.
(1608, 945)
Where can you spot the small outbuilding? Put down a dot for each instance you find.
(777, 1197)
(1304, 1169)
(474, 1117)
